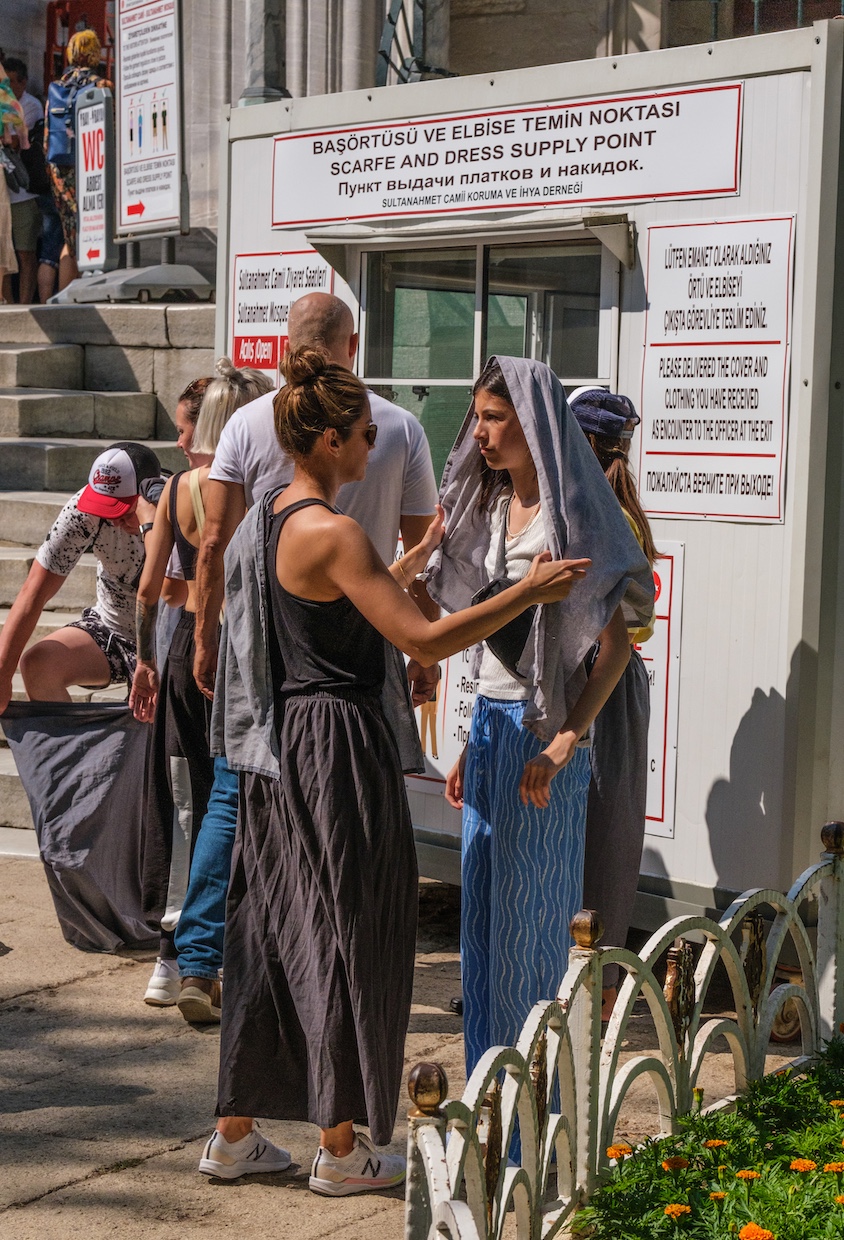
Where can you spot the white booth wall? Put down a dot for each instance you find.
(758, 726)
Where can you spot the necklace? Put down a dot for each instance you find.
(527, 524)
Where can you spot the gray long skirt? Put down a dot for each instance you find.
(615, 813)
(321, 925)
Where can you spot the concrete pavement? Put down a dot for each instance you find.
(108, 1102)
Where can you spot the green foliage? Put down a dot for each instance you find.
(780, 1119)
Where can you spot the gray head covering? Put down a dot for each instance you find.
(582, 518)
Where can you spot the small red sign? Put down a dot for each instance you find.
(259, 352)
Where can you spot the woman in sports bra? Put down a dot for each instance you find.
(181, 769)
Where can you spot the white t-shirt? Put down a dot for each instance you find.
(33, 112)
(494, 681)
(399, 475)
(120, 557)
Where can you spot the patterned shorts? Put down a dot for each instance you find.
(119, 651)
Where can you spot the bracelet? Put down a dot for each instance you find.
(145, 528)
(404, 575)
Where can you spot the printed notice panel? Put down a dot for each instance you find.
(444, 723)
(661, 144)
(94, 169)
(264, 287)
(715, 373)
(149, 130)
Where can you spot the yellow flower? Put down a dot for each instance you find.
(803, 1164)
(717, 1196)
(619, 1151)
(838, 1167)
(714, 1144)
(839, 1201)
(837, 1102)
(747, 1175)
(675, 1163)
(752, 1231)
(675, 1210)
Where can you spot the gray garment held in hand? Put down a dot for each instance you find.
(582, 519)
(82, 768)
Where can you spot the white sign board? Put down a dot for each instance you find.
(94, 169)
(661, 657)
(714, 379)
(660, 144)
(149, 124)
(264, 287)
(444, 724)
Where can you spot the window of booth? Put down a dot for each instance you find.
(432, 316)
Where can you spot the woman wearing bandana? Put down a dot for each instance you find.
(521, 475)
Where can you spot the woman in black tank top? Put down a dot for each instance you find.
(321, 919)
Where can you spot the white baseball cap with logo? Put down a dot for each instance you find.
(114, 482)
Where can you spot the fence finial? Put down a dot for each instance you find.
(586, 927)
(428, 1087)
(832, 837)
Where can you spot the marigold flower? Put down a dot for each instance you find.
(717, 1196)
(839, 1201)
(837, 1102)
(675, 1210)
(803, 1164)
(714, 1144)
(752, 1231)
(748, 1175)
(837, 1167)
(675, 1163)
(619, 1151)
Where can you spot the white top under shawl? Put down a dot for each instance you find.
(494, 681)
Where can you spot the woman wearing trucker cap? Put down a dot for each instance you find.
(109, 517)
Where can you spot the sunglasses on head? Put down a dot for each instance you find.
(370, 434)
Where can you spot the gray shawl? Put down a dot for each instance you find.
(582, 518)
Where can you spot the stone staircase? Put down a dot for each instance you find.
(72, 380)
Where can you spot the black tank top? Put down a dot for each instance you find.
(187, 552)
(320, 647)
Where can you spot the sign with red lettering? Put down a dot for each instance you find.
(94, 181)
(264, 287)
(149, 125)
(715, 373)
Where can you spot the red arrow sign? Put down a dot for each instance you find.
(136, 208)
(93, 254)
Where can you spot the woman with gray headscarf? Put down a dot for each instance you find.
(522, 479)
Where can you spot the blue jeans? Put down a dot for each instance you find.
(199, 934)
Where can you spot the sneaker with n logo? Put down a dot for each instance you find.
(253, 1153)
(360, 1171)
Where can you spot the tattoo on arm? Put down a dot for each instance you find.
(145, 618)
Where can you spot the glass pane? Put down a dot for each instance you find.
(420, 314)
(544, 302)
(440, 409)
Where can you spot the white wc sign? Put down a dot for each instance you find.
(94, 174)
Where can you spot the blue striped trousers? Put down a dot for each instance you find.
(522, 877)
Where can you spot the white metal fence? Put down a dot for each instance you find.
(462, 1189)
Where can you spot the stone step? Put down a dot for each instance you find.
(47, 624)
(14, 807)
(79, 589)
(41, 365)
(58, 464)
(26, 516)
(52, 411)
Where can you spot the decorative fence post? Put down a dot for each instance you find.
(585, 1028)
(427, 1086)
(830, 951)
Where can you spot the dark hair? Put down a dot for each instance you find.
(613, 459)
(493, 481)
(16, 66)
(318, 394)
(192, 397)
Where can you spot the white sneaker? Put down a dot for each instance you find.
(245, 1157)
(164, 986)
(360, 1171)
